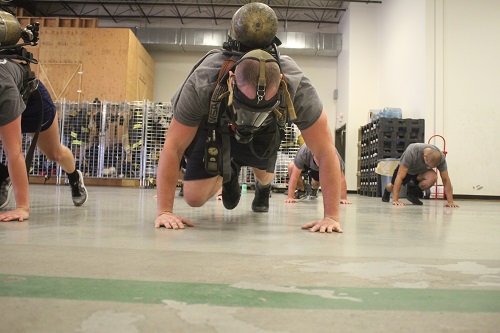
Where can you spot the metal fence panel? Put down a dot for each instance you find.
(124, 141)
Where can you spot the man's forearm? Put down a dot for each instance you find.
(166, 182)
(448, 190)
(330, 181)
(17, 172)
(343, 187)
(395, 189)
(292, 186)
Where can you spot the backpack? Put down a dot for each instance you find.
(217, 157)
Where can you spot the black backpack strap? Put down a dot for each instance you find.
(216, 111)
(226, 158)
(30, 81)
(29, 155)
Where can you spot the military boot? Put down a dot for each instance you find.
(260, 203)
(413, 192)
(231, 191)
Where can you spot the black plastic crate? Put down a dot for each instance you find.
(384, 138)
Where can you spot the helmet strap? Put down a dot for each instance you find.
(261, 85)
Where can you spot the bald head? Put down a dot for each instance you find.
(247, 75)
(433, 157)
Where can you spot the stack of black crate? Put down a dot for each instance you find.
(381, 139)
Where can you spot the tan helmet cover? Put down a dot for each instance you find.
(10, 29)
(254, 25)
(258, 54)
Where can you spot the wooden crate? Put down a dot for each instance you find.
(62, 22)
(86, 63)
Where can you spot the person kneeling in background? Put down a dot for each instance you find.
(305, 161)
(415, 170)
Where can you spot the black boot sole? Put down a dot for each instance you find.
(413, 193)
(386, 196)
(232, 199)
(413, 199)
(258, 206)
(231, 191)
(260, 209)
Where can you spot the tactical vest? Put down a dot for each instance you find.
(219, 121)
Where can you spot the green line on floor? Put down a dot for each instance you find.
(258, 296)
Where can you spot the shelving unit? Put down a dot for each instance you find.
(381, 139)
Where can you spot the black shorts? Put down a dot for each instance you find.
(183, 164)
(407, 178)
(312, 173)
(241, 154)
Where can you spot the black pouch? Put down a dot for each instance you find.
(213, 156)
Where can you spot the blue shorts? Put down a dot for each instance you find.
(31, 115)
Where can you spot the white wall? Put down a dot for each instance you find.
(322, 71)
(471, 95)
(437, 60)
(358, 79)
(402, 47)
(171, 68)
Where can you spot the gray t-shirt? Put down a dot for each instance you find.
(305, 158)
(413, 159)
(192, 101)
(11, 101)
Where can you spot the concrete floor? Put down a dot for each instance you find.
(103, 267)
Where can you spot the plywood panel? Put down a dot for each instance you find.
(88, 23)
(59, 45)
(62, 80)
(140, 72)
(68, 22)
(131, 79)
(105, 64)
(60, 59)
(50, 22)
(24, 21)
(87, 63)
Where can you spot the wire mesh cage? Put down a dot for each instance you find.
(158, 119)
(124, 141)
(97, 133)
(286, 153)
(40, 166)
(78, 133)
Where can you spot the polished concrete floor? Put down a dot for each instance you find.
(104, 268)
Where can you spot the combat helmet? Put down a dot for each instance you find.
(10, 29)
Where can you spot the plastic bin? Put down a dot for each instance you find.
(384, 180)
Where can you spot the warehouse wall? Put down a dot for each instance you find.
(358, 79)
(470, 97)
(436, 60)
